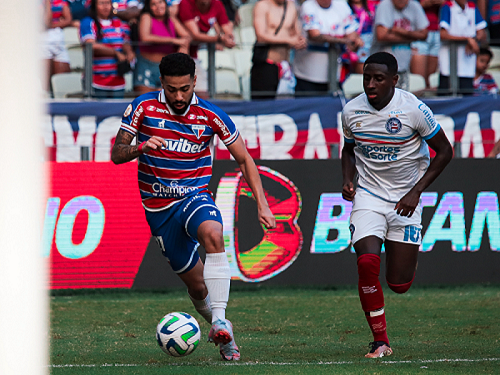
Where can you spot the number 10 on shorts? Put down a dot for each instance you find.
(412, 233)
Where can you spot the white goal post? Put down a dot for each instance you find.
(23, 281)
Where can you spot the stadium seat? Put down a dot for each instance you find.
(129, 82)
(495, 61)
(71, 36)
(434, 80)
(227, 82)
(66, 83)
(353, 85)
(247, 35)
(246, 15)
(76, 59)
(243, 61)
(417, 83)
(245, 86)
(203, 57)
(225, 60)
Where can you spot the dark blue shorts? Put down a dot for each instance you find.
(175, 229)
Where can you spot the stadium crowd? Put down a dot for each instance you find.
(290, 40)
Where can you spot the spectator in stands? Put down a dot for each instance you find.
(113, 54)
(156, 29)
(484, 83)
(490, 11)
(199, 17)
(398, 23)
(365, 15)
(461, 23)
(425, 52)
(231, 7)
(79, 10)
(277, 30)
(54, 49)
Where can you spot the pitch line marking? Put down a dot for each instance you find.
(281, 363)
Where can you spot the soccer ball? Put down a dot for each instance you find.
(178, 334)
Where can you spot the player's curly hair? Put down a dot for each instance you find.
(177, 65)
(384, 58)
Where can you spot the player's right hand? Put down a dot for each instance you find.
(348, 191)
(154, 143)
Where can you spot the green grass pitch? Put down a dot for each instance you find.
(438, 330)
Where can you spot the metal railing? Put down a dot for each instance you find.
(333, 83)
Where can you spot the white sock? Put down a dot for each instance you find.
(203, 307)
(217, 277)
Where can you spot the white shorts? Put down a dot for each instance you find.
(373, 216)
(54, 47)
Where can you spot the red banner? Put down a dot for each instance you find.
(95, 230)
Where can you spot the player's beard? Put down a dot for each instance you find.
(180, 111)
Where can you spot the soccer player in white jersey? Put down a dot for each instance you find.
(386, 132)
(174, 130)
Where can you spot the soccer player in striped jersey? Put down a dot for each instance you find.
(174, 129)
(386, 133)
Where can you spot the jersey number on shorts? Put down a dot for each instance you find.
(412, 233)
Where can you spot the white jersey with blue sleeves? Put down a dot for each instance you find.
(391, 152)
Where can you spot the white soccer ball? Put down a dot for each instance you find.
(178, 334)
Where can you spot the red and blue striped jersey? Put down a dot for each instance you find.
(184, 167)
(56, 7)
(114, 33)
(119, 4)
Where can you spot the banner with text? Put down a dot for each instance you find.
(273, 130)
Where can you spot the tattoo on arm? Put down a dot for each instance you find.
(123, 151)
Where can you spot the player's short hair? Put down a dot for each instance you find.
(383, 58)
(177, 65)
(485, 51)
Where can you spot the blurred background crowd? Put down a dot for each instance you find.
(268, 48)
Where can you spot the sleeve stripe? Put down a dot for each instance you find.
(231, 139)
(128, 128)
(433, 133)
(347, 140)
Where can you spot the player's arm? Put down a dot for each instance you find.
(123, 151)
(348, 171)
(239, 151)
(444, 153)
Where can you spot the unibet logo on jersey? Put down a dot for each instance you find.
(183, 145)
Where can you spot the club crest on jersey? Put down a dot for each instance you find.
(393, 125)
(161, 124)
(198, 130)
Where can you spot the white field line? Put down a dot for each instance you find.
(320, 363)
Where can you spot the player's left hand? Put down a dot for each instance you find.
(267, 218)
(407, 205)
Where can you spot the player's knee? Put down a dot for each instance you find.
(212, 241)
(400, 288)
(368, 266)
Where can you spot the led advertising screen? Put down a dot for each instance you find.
(96, 235)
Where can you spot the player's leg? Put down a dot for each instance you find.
(216, 273)
(368, 230)
(197, 290)
(401, 263)
(371, 294)
(203, 222)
